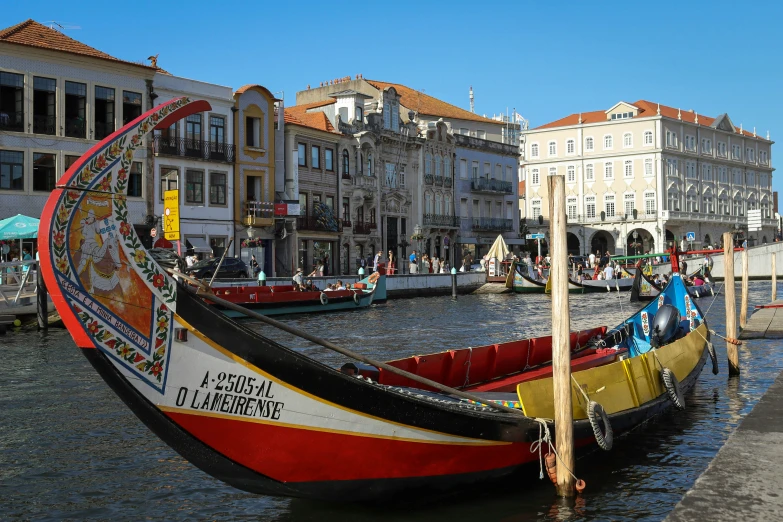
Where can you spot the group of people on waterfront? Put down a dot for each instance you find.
(11, 275)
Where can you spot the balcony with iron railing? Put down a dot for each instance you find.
(447, 182)
(321, 223)
(191, 148)
(12, 121)
(496, 224)
(491, 185)
(362, 227)
(43, 124)
(438, 181)
(441, 221)
(429, 179)
(346, 223)
(260, 213)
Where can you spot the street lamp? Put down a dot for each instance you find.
(404, 244)
(418, 236)
(635, 243)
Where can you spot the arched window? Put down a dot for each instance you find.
(648, 137)
(447, 166)
(534, 150)
(589, 143)
(346, 163)
(447, 205)
(438, 204)
(627, 139)
(428, 203)
(608, 141)
(361, 163)
(438, 165)
(369, 163)
(428, 163)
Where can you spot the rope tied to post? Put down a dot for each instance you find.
(544, 436)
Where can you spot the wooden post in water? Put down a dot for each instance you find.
(774, 276)
(41, 301)
(561, 333)
(744, 298)
(731, 304)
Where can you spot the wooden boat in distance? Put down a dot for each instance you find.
(269, 419)
(522, 283)
(285, 299)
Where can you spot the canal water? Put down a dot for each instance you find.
(70, 449)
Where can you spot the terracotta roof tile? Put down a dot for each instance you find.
(425, 104)
(298, 115)
(32, 34)
(647, 109)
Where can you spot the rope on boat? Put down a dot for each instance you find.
(467, 372)
(545, 437)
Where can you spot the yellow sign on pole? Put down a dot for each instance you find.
(171, 215)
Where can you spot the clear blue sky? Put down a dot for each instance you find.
(546, 59)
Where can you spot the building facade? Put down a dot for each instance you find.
(642, 175)
(196, 155)
(58, 98)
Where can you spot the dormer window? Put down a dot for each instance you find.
(359, 114)
(622, 115)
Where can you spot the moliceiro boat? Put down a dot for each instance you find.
(268, 419)
(522, 279)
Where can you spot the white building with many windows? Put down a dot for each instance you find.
(196, 155)
(58, 98)
(641, 175)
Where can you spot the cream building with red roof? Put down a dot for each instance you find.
(640, 175)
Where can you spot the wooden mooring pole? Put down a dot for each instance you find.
(774, 276)
(744, 298)
(41, 301)
(561, 343)
(731, 304)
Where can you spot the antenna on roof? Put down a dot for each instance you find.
(471, 99)
(54, 24)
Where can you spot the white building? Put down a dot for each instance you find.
(197, 156)
(640, 175)
(58, 98)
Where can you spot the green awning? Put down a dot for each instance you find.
(18, 227)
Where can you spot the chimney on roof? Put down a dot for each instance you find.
(471, 99)
(659, 109)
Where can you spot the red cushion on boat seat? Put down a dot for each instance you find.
(510, 357)
(540, 350)
(473, 365)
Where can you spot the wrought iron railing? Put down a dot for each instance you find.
(346, 175)
(75, 127)
(492, 185)
(447, 182)
(500, 224)
(438, 220)
(361, 227)
(12, 121)
(190, 148)
(439, 181)
(44, 124)
(314, 223)
(429, 179)
(346, 223)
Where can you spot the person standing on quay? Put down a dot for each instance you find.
(377, 259)
(414, 268)
(392, 263)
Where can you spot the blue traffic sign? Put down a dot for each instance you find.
(690, 236)
(535, 236)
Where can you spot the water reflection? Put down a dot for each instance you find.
(69, 448)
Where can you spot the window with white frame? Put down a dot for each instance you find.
(552, 148)
(722, 149)
(764, 181)
(534, 177)
(648, 167)
(671, 167)
(673, 200)
(706, 146)
(589, 174)
(475, 170)
(706, 172)
(723, 203)
(553, 171)
(509, 174)
(750, 179)
(690, 170)
(627, 140)
(707, 204)
(609, 205)
(608, 142)
(463, 169)
(534, 150)
(535, 208)
(648, 137)
(736, 152)
(590, 207)
(737, 176)
(738, 207)
(690, 143)
(671, 139)
(608, 170)
(763, 158)
(628, 168)
(765, 209)
(750, 154)
(589, 144)
(571, 207)
(571, 174)
(649, 202)
(691, 203)
(630, 203)
(570, 146)
(723, 175)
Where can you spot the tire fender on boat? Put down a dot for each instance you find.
(324, 299)
(714, 357)
(356, 298)
(673, 390)
(597, 416)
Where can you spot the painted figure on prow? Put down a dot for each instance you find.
(100, 254)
